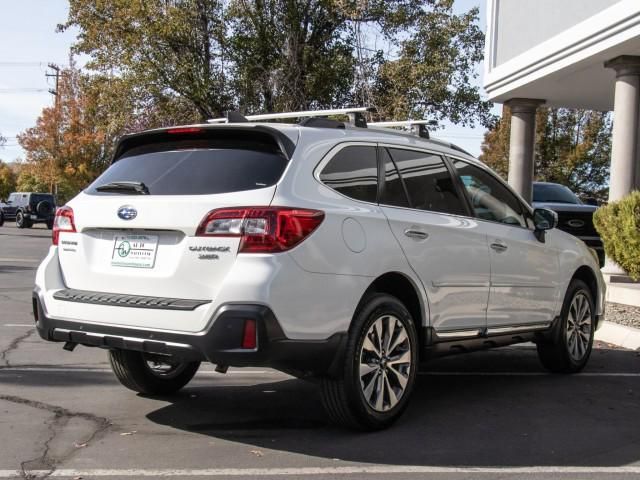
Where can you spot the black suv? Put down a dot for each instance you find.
(28, 208)
(574, 216)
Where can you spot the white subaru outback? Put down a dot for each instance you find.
(321, 249)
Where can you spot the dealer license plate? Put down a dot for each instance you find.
(137, 251)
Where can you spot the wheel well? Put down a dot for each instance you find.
(585, 274)
(403, 289)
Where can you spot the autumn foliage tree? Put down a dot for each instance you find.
(63, 150)
(202, 57)
(572, 147)
(7, 180)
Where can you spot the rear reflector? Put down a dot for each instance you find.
(249, 336)
(262, 229)
(63, 222)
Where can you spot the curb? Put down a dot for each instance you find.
(620, 335)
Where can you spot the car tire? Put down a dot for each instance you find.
(50, 224)
(21, 221)
(1, 219)
(380, 365)
(570, 346)
(134, 371)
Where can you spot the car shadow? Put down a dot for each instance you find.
(15, 268)
(463, 412)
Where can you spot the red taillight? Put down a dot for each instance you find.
(249, 337)
(262, 229)
(184, 130)
(63, 222)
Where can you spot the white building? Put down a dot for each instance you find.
(566, 53)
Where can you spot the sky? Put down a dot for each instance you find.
(29, 42)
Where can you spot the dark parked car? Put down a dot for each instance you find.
(27, 208)
(574, 216)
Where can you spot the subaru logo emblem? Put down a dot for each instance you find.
(127, 212)
(575, 223)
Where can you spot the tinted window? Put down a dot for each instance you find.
(428, 181)
(490, 199)
(353, 171)
(394, 192)
(196, 171)
(39, 197)
(553, 193)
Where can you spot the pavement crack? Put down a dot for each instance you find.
(61, 417)
(15, 343)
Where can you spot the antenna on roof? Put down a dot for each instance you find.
(417, 127)
(356, 115)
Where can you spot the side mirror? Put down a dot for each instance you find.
(545, 219)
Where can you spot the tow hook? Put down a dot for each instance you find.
(222, 368)
(70, 346)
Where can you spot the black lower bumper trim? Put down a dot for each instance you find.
(220, 344)
(120, 300)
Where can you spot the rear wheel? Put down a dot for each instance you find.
(50, 224)
(380, 367)
(1, 219)
(569, 350)
(151, 374)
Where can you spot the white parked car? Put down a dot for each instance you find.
(324, 250)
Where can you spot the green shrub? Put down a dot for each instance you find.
(619, 226)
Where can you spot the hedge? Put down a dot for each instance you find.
(619, 226)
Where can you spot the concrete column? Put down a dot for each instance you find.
(637, 182)
(624, 143)
(521, 144)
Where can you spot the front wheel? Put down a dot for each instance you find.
(569, 350)
(380, 367)
(21, 222)
(151, 374)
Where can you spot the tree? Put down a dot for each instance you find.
(572, 147)
(7, 180)
(208, 56)
(63, 150)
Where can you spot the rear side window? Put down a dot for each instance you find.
(428, 181)
(394, 193)
(353, 172)
(184, 170)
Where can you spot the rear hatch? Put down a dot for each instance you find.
(136, 224)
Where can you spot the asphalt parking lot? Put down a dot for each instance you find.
(486, 415)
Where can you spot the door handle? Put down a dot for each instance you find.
(499, 246)
(419, 234)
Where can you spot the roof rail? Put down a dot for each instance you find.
(356, 115)
(417, 127)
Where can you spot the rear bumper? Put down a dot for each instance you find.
(220, 343)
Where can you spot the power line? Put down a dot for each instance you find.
(21, 64)
(22, 90)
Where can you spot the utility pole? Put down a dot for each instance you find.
(56, 75)
(53, 185)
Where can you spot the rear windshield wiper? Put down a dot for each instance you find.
(117, 187)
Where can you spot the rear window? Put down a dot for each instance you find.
(178, 169)
(39, 197)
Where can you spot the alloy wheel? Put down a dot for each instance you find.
(579, 326)
(385, 363)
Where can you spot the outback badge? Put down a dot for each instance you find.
(127, 212)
